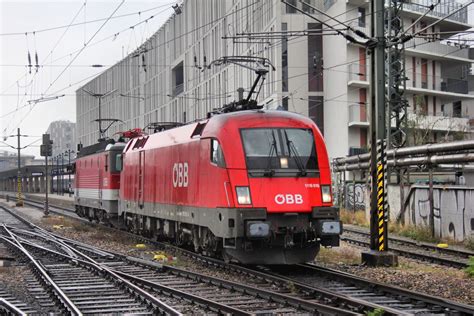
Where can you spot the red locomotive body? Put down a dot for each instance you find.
(254, 186)
(97, 181)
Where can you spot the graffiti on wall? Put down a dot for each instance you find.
(453, 210)
(355, 196)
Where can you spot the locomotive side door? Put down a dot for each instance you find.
(101, 177)
(141, 176)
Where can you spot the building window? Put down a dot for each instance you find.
(425, 105)
(362, 64)
(328, 3)
(316, 111)
(284, 59)
(363, 105)
(306, 8)
(361, 17)
(315, 59)
(285, 102)
(289, 9)
(413, 61)
(178, 79)
(457, 109)
(424, 73)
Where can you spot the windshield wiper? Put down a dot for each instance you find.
(269, 172)
(292, 148)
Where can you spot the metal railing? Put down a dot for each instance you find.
(178, 89)
(444, 8)
(436, 47)
(438, 83)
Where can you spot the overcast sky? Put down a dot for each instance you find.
(18, 86)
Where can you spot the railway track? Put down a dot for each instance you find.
(349, 292)
(78, 276)
(10, 305)
(453, 257)
(344, 283)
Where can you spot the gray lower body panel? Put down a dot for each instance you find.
(109, 206)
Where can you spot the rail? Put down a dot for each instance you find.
(9, 308)
(333, 297)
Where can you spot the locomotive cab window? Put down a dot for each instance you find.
(217, 156)
(280, 152)
(118, 162)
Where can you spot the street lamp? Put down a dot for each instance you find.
(69, 152)
(57, 174)
(62, 173)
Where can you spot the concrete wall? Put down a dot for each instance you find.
(453, 209)
(453, 206)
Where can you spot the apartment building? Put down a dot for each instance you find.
(437, 78)
(322, 76)
(63, 135)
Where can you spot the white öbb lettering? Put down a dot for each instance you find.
(180, 175)
(281, 199)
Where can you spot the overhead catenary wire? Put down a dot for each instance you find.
(430, 9)
(194, 30)
(165, 43)
(86, 22)
(75, 51)
(405, 38)
(37, 66)
(73, 59)
(346, 36)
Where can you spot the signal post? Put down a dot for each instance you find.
(46, 150)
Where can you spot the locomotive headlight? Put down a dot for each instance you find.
(243, 195)
(326, 193)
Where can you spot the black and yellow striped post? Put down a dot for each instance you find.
(380, 224)
(378, 254)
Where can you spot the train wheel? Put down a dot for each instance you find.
(209, 243)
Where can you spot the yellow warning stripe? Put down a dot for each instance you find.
(380, 205)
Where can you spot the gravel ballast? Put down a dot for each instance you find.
(432, 279)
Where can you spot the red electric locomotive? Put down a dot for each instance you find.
(253, 186)
(97, 181)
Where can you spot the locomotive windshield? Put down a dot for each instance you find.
(280, 152)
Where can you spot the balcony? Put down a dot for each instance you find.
(442, 9)
(455, 85)
(358, 115)
(358, 75)
(439, 122)
(438, 85)
(448, 88)
(424, 48)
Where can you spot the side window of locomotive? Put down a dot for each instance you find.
(106, 163)
(118, 162)
(217, 155)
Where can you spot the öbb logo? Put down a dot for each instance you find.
(281, 199)
(180, 175)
